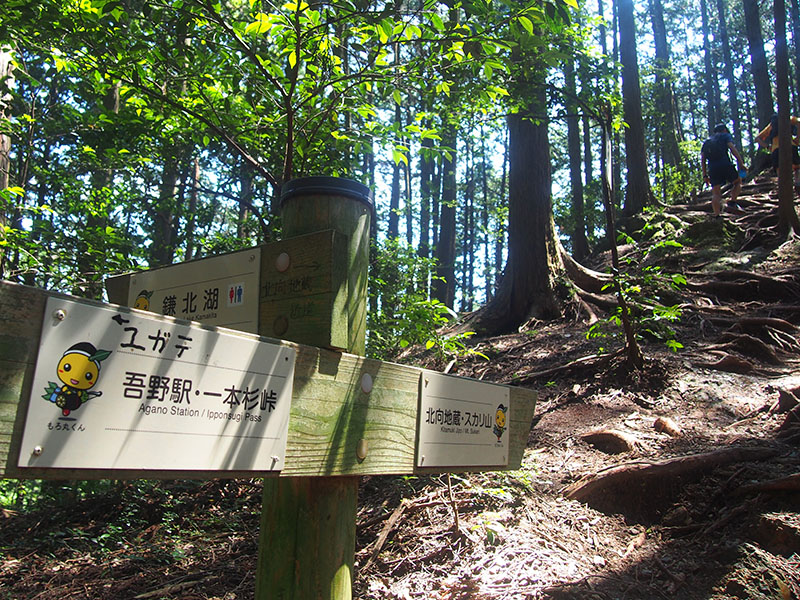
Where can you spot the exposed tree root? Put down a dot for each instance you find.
(641, 490)
(611, 441)
(384, 535)
(787, 400)
(753, 324)
(593, 362)
(668, 426)
(707, 308)
(747, 345)
(605, 302)
(784, 484)
(761, 235)
(585, 309)
(586, 279)
(743, 285)
(791, 422)
(727, 363)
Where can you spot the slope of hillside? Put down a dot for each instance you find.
(678, 481)
(688, 472)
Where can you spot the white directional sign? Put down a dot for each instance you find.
(117, 389)
(220, 290)
(462, 422)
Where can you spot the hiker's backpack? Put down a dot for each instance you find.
(715, 148)
(773, 130)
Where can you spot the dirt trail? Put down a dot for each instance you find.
(690, 531)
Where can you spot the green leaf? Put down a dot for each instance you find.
(261, 25)
(399, 157)
(15, 190)
(430, 344)
(526, 23)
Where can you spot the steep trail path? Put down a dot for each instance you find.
(677, 482)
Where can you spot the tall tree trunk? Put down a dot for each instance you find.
(580, 246)
(637, 189)
(668, 126)
(393, 231)
(409, 206)
(759, 68)
(190, 216)
(795, 12)
(487, 270)
(499, 243)
(712, 110)
(436, 201)
(604, 48)
(369, 171)
(733, 97)
(588, 176)
(617, 145)
(444, 287)
(246, 193)
(468, 249)
(787, 215)
(6, 81)
(92, 250)
(588, 159)
(748, 112)
(528, 288)
(162, 248)
(691, 102)
(369, 166)
(426, 167)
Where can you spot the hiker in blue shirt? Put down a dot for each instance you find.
(719, 168)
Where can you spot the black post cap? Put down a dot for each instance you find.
(335, 186)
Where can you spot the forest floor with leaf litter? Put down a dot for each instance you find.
(691, 467)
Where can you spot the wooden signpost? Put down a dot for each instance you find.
(171, 399)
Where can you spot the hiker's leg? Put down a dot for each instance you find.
(737, 187)
(716, 199)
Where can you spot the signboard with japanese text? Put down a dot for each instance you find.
(220, 290)
(462, 423)
(117, 389)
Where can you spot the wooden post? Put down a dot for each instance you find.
(308, 525)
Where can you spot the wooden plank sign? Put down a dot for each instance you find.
(349, 415)
(290, 289)
(303, 281)
(118, 389)
(462, 423)
(219, 290)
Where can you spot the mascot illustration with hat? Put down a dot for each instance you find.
(78, 371)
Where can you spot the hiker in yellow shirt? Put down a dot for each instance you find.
(768, 138)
